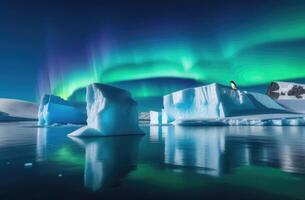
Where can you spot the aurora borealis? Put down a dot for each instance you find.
(141, 45)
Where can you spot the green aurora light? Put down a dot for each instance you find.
(256, 52)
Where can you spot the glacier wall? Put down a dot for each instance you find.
(217, 101)
(110, 111)
(55, 110)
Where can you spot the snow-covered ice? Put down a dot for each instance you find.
(289, 95)
(217, 101)
(110, 111)
(144, 116)
(158, 118)
(17, 110)
(286, 90)
(216, 104)
(55, 110)
(155, 117)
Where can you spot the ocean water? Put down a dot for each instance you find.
(166, 163)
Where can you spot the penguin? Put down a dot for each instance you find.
(233, 85)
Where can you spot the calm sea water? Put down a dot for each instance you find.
(167, 163)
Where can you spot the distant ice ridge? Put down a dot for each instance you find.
(289, 95)
(55, 110)
(286, 90)
(110, 111)
(287, 120)
(217, 101)
(17, 110)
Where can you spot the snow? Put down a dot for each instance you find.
(286, 90)
(250, 120)
(55, 110)
(144, 116)
(17, 110)
(158, 118)
(155, 117)
(165, 118)
(217, 101)
(295, 105)
(110, 111)
(289, 95)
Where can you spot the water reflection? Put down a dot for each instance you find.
(41, 144)
(218, 150)
(108, 160)
(197, 147)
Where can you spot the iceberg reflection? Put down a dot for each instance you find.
(41, 144)
(195, 147)
(218, 150)
(108, 160)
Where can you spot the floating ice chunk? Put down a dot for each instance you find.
(110, 110)
(28, 165)
(55, 110)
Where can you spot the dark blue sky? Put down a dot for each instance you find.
(35, 33)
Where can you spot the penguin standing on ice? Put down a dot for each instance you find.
(233, 85)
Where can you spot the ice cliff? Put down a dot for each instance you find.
(110, 111)
(55, 110)
(217, 101)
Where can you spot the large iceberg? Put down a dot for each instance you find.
(55, 110)
(217, 101)
(216, 104)
(110, 110)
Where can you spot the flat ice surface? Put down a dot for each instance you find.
(55, 110)
(250, 120)
(110, 111)
(295, 105)
(16, 110)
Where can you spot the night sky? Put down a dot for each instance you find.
(149, 47)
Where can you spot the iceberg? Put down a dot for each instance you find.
(55, 110)
(110, 111)
(217, 101)
(216, 104)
